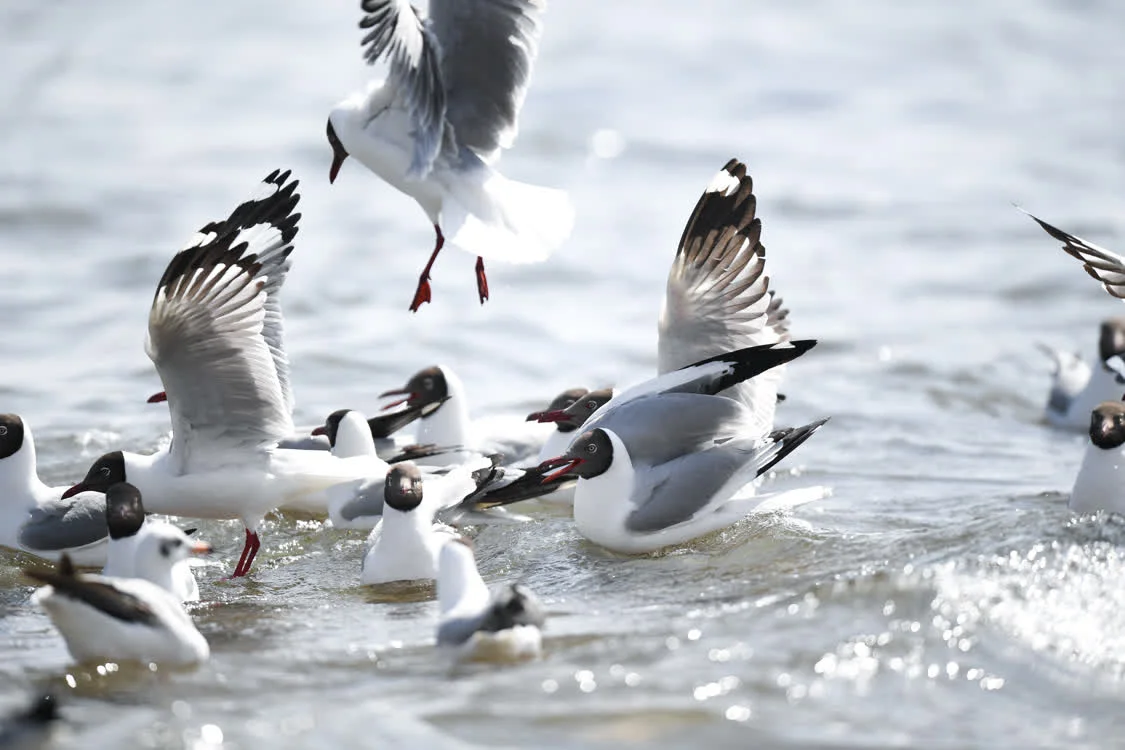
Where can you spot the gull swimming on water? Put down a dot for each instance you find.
(435, 127)
(119, 619)
(37, 519)
(476, 624)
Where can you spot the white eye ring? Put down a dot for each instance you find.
(3, 429)
(428, 383)
(104, 471)
(591, 448)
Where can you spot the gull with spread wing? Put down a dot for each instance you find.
(435, 127)
(718, 298)
(214, 334)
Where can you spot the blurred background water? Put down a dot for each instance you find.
(942, 597)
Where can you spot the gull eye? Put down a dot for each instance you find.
(428, 384)
(591, 405)
(591, 448)
(3, 429)
(104, 471)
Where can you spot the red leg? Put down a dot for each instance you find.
(422, 293)
(482, 280)
(249, 552)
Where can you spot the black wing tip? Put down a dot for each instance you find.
(790, 439)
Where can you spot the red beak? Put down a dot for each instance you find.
(80, 487)
(158, 398)
(322, 430)
(556, 415)
(565, 464)
(398, 402)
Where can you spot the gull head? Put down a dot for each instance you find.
(1107, 425)
(11, 435)
(107, 471)
(590, 455)
(402, 489)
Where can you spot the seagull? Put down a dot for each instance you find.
(34, 518)
(224, 368)
(404, 544)
(1099, 484)
(568, 412)
(706, 378)
(475, 624)
(667, 468)
(437, 399)
(1077, 386)
(138, 546)
(435, 127)
(717, 296)
(118, 619)
(30, 727)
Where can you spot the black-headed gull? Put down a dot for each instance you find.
(118, 619)
(1100, 484)
(435, 127)
(476, 624)
(138, 545)
(707, 378)
(30, 727)
(405, 542)
(718, 298)
(568, 414)
(225, 372)
(1077, 386)
(35, 518)
(436, 398)
(667, 468)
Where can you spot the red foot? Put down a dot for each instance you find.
(482, 280)
(421, 294)
(249, 552)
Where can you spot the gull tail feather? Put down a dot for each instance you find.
(501, 219)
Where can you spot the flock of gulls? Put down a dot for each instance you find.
(660, 463)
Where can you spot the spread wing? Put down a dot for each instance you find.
(717, 297)
(208, 334)
(488, 48)
(1105, 266)
(398, 33)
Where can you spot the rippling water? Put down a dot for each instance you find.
(942, 597)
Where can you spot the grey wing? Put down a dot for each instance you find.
(657, 429)
(65, 524)
(717, 297)
(367, 502)
(488, 48)
(399, 34)
(207, 335)
(694, 484)
(1105, 266)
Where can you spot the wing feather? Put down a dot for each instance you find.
(718, 297)
(398, 33)
(217, 350)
